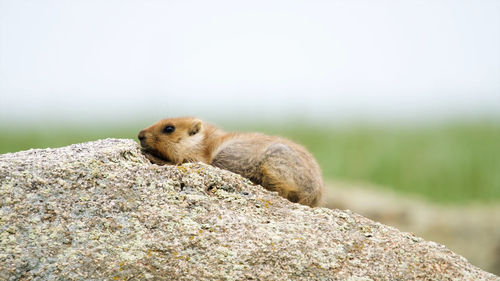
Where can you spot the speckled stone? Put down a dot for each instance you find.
(102, 211)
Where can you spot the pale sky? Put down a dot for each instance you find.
(343, 60)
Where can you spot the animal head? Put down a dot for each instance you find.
(176, 140)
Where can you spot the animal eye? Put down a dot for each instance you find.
(168, 129)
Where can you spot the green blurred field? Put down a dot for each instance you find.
(453, 163)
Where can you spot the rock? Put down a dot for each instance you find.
(100, 210)
(471, 230)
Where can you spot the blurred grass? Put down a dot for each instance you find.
(452, 163)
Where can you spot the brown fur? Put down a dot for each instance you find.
(275, 163)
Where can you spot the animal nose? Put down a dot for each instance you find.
(141, 136)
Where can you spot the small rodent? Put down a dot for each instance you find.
(273, 162)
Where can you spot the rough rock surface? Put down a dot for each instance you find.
(471, 230)
(101, 211)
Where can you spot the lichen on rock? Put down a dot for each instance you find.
(102, 211)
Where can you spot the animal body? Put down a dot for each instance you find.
(275, 163)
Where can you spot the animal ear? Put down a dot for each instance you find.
(195, 127)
